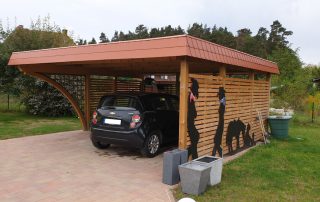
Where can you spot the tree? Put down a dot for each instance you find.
(261, 39)
(81, 42)
(103, 38)
(278, 36)
(200, 31)
(243, 39)
(115, 36)
(40, 35)
(292, 83)
(93, 41)
(141, 32)
(223, 37)
(154, 32)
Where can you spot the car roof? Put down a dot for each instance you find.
(137, 94)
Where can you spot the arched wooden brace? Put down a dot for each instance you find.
(56, 85)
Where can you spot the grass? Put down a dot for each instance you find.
(18, 124)
(285, 170)
(14, 103)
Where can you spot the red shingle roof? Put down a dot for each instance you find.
(173, 46)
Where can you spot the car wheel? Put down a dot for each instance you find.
(151, 145)
(99, 145)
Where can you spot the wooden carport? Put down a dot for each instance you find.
(94, 66)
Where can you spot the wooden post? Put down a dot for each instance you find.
(177, 83)
(183, 107)
(222, 71)
(222, 74)
(115, 86)
(87, 100)
(268, 78)
(251, 78)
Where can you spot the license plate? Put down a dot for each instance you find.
(112, 121)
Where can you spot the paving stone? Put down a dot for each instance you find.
(66, 167)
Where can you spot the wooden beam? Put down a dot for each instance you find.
(183, 107)
(101, 70)
(87, 100)
(222, 71)
(65, 93)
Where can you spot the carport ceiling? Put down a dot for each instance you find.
(155, 55)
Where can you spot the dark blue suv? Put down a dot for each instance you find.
(140, 120)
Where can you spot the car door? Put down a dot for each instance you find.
(164, 116)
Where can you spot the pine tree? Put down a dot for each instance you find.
(93, 41)
(103, 38)
(115, 36)
(141, 32)
(81, 42)
(278, 36)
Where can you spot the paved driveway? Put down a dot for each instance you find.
(66, 167)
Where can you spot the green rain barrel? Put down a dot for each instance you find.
(279, 126)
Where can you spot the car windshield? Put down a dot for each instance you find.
(120, 101)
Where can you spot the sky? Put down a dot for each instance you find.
(88, 18)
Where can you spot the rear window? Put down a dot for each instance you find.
(156, 103)
(120, 101)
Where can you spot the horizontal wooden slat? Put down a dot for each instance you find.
(243, 98)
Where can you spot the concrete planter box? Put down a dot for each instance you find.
(171, 161)
(215, 163)
(194, 177)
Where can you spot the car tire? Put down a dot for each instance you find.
(99, 145)
(151, 145)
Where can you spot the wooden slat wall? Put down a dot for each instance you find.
(168, 88)
(125, 85)
(101, 85)
(243, 98)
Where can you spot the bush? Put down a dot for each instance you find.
(47, 101)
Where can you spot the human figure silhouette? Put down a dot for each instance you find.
(192, 114)
(219, 132)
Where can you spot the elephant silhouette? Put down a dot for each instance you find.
(235, 128)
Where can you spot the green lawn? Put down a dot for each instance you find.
(18, 124)
(285, 170)
(14, 103)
